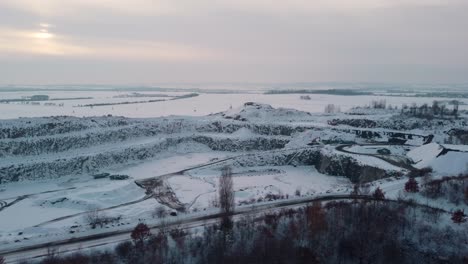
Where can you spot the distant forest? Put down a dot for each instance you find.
(329, 91)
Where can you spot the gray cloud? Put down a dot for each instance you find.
(148, 42)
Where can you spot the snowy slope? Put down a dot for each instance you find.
(423, 155)
(444, 160)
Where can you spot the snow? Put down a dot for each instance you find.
(243, 133)
(265, 112)
(463, 148)
(170, 162)
(90, 193)
(451, 164)
(135, 147)
(204, 104)
(364, 159)
(188, 188)
(257, 182)
(26, 214)
(303, 138)
(431, 155)
(424, 154)
(373, 149)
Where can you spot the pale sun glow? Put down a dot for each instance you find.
(42, 35)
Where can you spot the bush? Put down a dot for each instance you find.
(331, 109)
(412, 186)
(160, 212)
(297, 192)
(458, 217)
(420, 172)
(378, 194)
(140, 233)
(382, 104)
(124, 250)
(454, 189)
(96, 217)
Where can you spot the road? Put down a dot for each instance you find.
(158, 188)
(163, 195)
(111, 238)
(86, 242)
(400, 164)
(17, 199)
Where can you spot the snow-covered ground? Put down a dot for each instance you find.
(276, 148)
(204, 104)
(443, 159)
(374, 149)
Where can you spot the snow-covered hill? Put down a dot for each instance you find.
(445, 160)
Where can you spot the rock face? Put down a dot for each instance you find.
(458, 136)
(34, 142)
(93, 162)
(232, 144)
(361, 123)
(35, 127)
(42, 148)
(339, 165)
(324, 162)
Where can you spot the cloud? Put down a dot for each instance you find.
(14, 41)
(149, 50)
(237, 39)
(50, 8)
(43, 42)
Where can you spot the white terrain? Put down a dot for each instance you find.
(94, 154)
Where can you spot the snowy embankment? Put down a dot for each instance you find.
(445, 160)
(91, 160)
(59, 146)
(274, 154)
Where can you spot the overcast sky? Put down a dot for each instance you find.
(159, 41)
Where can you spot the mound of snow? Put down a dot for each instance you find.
(448, 160)
(264, 112)
(463, 148)
(451, 164)
(424, 154)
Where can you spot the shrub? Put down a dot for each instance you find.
(160, 212)
(331, 108)
(412, 185)
(140, 234)
(378, 194)
(458, 216)
(124, 250)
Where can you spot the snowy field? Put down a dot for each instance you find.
(204, 104)
(277, 150)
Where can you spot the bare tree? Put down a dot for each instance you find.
(378, 194)
(455, 108)
(52, 255)
(95, 217)
(160, 212)
(331, 108)
(140, 233)
(435, 107)
(226, 196)
(382, 104)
